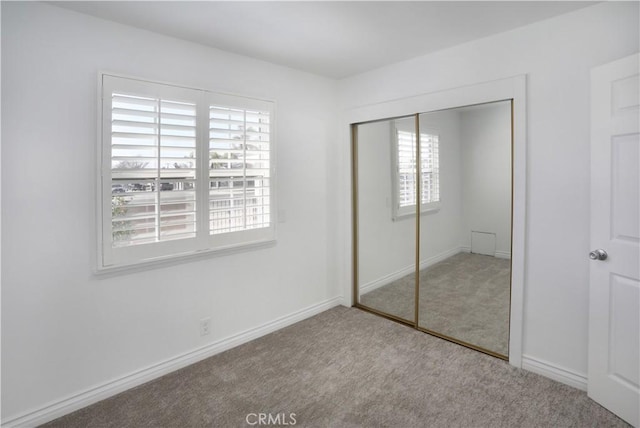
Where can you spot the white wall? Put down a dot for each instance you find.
(65, 330)
(486, 173)
(557, 55)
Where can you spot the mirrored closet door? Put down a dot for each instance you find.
(386, 249)
(441, 265)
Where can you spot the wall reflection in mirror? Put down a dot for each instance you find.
(463, 238)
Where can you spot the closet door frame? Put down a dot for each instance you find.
(514, 89)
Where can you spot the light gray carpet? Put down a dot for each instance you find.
(348, 368)
(465, 296)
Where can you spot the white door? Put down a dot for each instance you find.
(614, 297)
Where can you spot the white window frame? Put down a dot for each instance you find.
(110, 258)
(400, 212)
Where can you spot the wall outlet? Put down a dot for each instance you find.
(205, 326)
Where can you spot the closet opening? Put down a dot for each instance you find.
(433, 221)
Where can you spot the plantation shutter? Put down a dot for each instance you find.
(239, 169)
(182, 171)
(153, 169)
(430, 168)
(406, 168)
(149, 171)
(406, 156)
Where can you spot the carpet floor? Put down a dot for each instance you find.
(348, 368)
(465, 296)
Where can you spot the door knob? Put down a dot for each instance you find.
(598, 254)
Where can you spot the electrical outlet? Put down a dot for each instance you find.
(205, 326)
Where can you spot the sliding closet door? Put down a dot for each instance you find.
(465, 225)
(384, 203)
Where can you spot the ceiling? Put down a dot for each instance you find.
(332, 39)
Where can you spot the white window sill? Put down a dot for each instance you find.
(425, 209)
(172, 260)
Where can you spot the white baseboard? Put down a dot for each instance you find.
(438, 258)
(550, 370)
(90, 396)
(503, 255)
(387, 279)
(498, 254)
(394, 276)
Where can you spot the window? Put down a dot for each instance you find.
(405, 177)
(182, 171)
